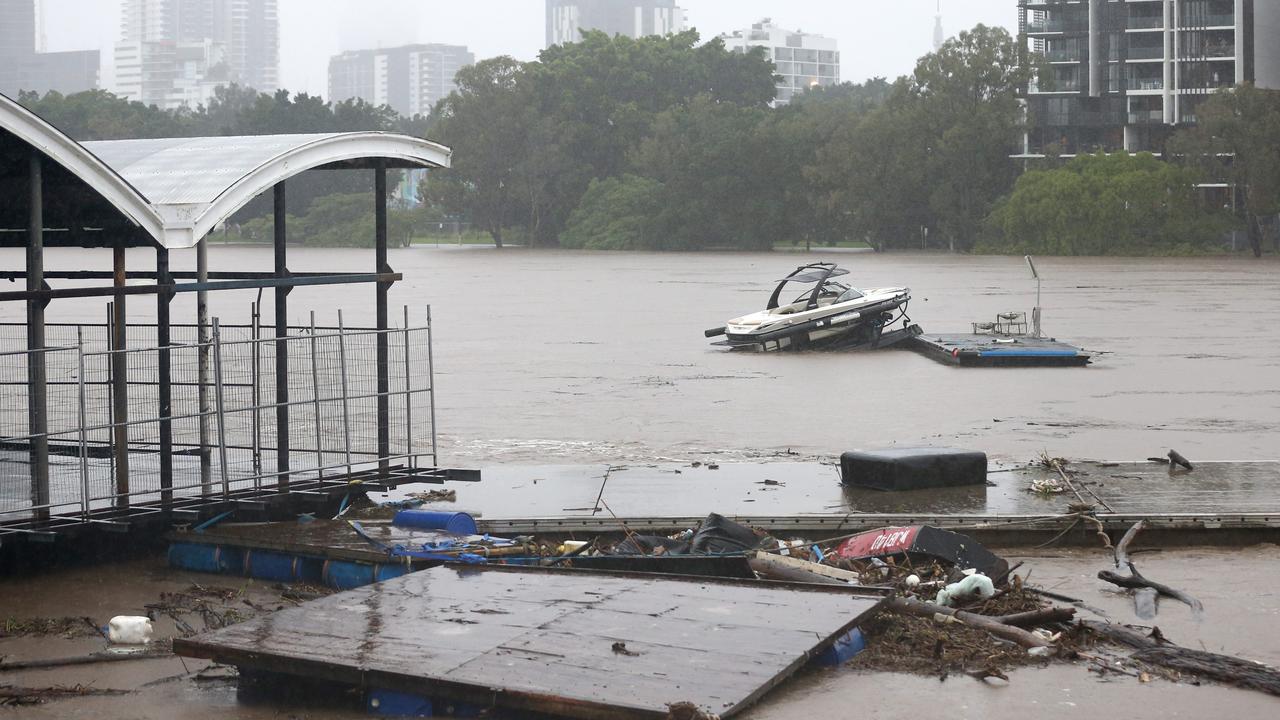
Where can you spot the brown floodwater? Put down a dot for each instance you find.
(559, 356)
(1239, 589)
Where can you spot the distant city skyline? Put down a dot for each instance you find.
(882, 39)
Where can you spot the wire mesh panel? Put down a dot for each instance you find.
(221, 422)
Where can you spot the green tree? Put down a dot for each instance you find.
(484, 122)
(1116, 204)
(99, 115)
(929, 152)
(1237, 139)
(871, 176)
(601, 95)
(813, 134)
(617, 213)
(965, 100)
(715, 162)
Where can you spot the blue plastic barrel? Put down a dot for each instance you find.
(270, 565)
(345, 574)
(282, 567)
(201, 557)
(842, 650)
(397, 704)
(387, 572)
(458, 523)
(348, 574)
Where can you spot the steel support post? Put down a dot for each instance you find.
(221, 410)
(120, 379)
(315, 399)
(203, 350)
(346, 394)
(408, 397)
(164, 377)
(384, 382)
(37, 386)
(282, 344)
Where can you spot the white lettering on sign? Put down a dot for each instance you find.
(891, 539)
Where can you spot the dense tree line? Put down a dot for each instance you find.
(668, 143)
(665, 143)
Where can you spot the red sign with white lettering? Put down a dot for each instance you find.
(886, 541)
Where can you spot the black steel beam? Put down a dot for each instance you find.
(282, 345)
(287, 282)
(380, 261)
(164, 378)
(149, 275)
(120, 380)
(37, 400)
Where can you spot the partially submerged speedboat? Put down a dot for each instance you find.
(831, 315)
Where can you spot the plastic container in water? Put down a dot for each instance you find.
(347, 574)
(842, 650)
(458, 523)
(282, 567)
(129, 630)
(206, 558)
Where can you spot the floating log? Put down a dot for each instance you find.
(919, 608)
(781, 567)
(81, 660)
(1176, 459)
(1033, 618)
(1155, 650)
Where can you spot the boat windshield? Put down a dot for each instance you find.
(830, 289)
(850, 294)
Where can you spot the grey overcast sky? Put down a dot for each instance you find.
(876, 38)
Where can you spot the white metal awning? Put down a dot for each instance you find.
(178, 189)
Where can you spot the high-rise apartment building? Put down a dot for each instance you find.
(801, 60)
(1124, 74)
(175, 52)
(25, 66)
(566, 19)
(411, 78)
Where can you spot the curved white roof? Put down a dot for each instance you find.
(30, 128)
(179, 189)
(196, 183)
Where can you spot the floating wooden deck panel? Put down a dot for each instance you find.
(999, 350)
(545, 641)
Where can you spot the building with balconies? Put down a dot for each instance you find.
(1124, 74)
(801, 60)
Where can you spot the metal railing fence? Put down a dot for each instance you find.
(231, 443)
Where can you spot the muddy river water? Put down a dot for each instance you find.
(565, 357)
(556, 356)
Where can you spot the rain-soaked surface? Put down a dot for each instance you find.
(579, 358)
(510, 492)
(556, 356)
(1239, 588)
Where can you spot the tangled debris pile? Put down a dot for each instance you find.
(193, 610)
(68, 627)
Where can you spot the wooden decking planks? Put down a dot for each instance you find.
(543, 640)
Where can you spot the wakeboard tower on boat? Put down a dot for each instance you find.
(830, 316)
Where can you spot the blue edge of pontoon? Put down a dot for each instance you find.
(349, 574)
(1028, 353)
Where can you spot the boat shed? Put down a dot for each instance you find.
(167, 194)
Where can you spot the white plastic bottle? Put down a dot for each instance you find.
(129, 630)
